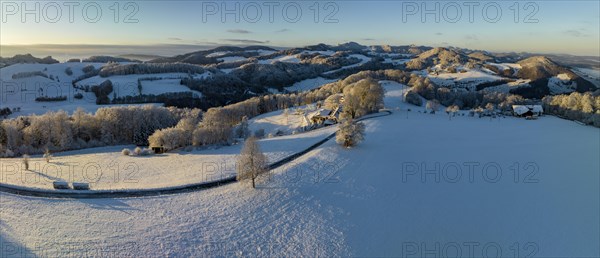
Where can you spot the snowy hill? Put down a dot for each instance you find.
(418, 181)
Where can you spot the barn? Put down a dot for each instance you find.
(527, 110)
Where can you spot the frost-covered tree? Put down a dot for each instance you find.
(169, 138)
(47, 155)
(432, 105)
(363, 97)
(350, 133)
(333, 101)
(251, 162)
(412, 97)
(451, 111)
(242, 131)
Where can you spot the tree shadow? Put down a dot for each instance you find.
(109, 204)
(11, 247)
(46, 176)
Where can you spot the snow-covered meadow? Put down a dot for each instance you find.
(419, 182)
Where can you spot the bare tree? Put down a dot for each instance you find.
(26, 161)
(251, 162)
(432, 105)
(350, 133)
(47, 155)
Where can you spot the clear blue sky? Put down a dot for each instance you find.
(561, 27)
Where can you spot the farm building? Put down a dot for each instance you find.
(325, 116)
(527, 110)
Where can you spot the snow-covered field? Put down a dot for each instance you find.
(127, 85)
(283, 58)
(419, 182)
(363, 60)
(22, 92)
(470, 77)
(106, 168)
(157, 87)
(309, 84)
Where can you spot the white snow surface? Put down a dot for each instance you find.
(371, 200)
(363, 60)
(21, 93)
(106, 168)
(230, 59)
(310, 84)
(282, 58)
(158, 87)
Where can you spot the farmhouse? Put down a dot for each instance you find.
(527, 110)
(325, 116)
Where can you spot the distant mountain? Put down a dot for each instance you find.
(106, 59)
(207, 57)
(140, 57)
(438, 55)
(26, 59)
(540, 70)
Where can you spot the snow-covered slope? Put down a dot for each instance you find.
(524, 185)
(107, 169)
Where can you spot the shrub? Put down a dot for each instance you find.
(414, 98)
(68, 71)
(137, 151)
(126, 152)
(260, 133)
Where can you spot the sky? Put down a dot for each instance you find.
(570, 27)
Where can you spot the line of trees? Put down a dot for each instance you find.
(149, 68)
(463, 99)
(583, 107)
(58, 131)
(23, 75)
(363, 95)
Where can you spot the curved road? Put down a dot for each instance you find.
(99, 194)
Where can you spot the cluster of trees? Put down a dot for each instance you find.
(107, 59)
(89, 71)
(363, 97)
(102, 91)
(160, 98)
(5, 111)
(58, 131)
(221, 89)
(51, 99)
(583, 107)
(23, 75)
(220, 125)
(412, 97)
(26, 59)
(68, 71)
(149, 68)
(277, 75)
(463, 99)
